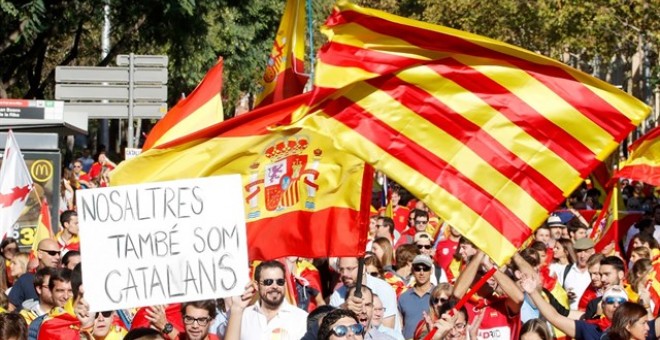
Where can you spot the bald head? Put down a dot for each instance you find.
(48, 253)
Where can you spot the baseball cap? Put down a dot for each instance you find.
(583, 244)
(423, 259)
(421, 235)
(554, 221)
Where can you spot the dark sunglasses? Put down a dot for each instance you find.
(612, 300)
(105, 314)
(421, 222)
(437, 300)
(421, 269)
(50, 252)
(269, 282)
(342, 331)
(425, 246)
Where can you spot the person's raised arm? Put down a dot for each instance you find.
(566, 325)
(238, 305)
(514, 294)
(464, 281)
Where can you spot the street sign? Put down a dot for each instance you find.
(98, 75)
(30, 109)
(110, 92)
(114, 110)
(143, 60)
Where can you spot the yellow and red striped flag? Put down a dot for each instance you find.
(202, 107)
(302, 197)
(644, 162)
(284, 75)
(490, 136)
(606, 227)
(44, 229)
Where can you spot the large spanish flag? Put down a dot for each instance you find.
(644, 161)
(284, 75)
(43, 230)
(490, 136)
(202, 107)
(302, 197)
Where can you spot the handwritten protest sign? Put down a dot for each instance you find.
(131, 153)
(164, 242)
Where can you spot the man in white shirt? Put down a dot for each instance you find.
(578, 277)
(272, 315)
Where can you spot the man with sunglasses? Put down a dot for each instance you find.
(413, 302)
(272, 315)
(23, 290)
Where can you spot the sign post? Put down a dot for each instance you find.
(135, 89)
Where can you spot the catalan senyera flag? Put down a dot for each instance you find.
(284, 75)
(490, 136)
(644, 161)
(44, 228)
(302, 196)
(202, 107)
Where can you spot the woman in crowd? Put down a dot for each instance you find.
(629, 322)
(385, 253)
(639, 253)
(341, 324)
(8, 248)
(374, 268)
(535, 329)
(564, 255)
(440, 295)
(18, 265)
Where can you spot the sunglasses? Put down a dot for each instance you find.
(610, 300)
(421, 222)
(50, 252)
(424, 246)
(437, 300)
(342, 331)
(269, 282)
(374, 274)
(105, 314)
(189, 320)
(421, 269)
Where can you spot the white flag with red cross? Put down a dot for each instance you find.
(15, 184)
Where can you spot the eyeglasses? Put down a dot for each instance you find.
(269, 282)
(421, 222)
(342, 331)
(437, 300)
(374, 274)
(424, 246)
(11, 249)
(189, 320)
(421, 268)
(105, 314)
(610, 300)
(51, 252)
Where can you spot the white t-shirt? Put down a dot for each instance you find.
(290, 323)
(577, 281)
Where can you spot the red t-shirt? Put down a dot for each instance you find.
(444, 253)
(497, 323)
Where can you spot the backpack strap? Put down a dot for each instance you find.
(35, 326)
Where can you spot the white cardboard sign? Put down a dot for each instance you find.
(130, 153)
(161, 243)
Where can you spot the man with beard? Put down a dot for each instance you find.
(272, 316)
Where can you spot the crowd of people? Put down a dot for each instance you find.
(416, 273)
